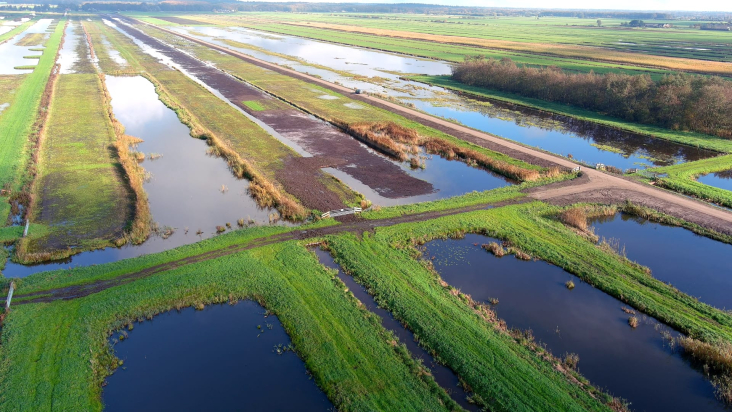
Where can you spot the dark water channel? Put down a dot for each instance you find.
(443, 375)
(696, 265)
(722, 180)
(586, 141)
(214, 359)
(635, 364)
(184, 187)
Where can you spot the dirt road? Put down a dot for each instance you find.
(598, 186)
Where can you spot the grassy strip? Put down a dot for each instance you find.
(534, 229)
(503, 374)
(682, 178)
(308, 97)
(19, 29)
(31, 39)
(55, 356)
(80, 192)
(108, 65)
(17, 120)
(250, 151)
(687, 138)
(82, 275)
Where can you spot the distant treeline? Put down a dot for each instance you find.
(677, 101)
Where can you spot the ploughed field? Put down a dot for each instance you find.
(165, 183)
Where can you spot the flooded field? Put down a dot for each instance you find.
(350, 66)
(184, 185)
(694, 264)
(722, 180)
(633, 363)
(14, 55)
(221, 358)
(443, 375)
(382, 180)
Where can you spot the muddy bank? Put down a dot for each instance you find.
(314, 136)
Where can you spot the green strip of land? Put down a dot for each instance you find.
(682, 178)
(17, 120)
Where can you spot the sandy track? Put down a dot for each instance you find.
(597, 186)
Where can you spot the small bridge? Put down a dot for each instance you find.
(341, 212)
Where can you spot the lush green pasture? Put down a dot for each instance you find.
(533, 229)
(80, 192)
(688, 138)
(55, 356)
(307, 96)
(9, 84)
(682, 178)
(17, 120)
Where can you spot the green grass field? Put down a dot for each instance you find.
(81, 193)
(682, 178)
(55, 356)
(14, 32)
(17, 120)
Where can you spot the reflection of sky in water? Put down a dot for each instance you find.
(433, 100)
(67, 56)
(722, 180)
(11, 55)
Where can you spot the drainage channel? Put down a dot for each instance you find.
(443, 375)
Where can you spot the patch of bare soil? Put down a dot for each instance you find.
(317, 137)
(180, 20)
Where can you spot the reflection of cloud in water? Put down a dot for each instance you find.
(130, 109)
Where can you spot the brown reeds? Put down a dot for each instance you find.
(260, 188)
(494, 248)
(633, 322)
(575, 217)
(398, 141)
(717, 359)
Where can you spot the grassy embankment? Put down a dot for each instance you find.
(682, 178)
(336, 110)
(449, 43)
(251, 152)
(533, 229)
(350, 355)
(18, 29)
(31, 39)
(81, 192)
(688, 138)
(17, 126)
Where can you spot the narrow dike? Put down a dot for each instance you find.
(443, 375)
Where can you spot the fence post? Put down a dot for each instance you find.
(27, 225)
(10, 295)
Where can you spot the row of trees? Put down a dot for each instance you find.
(677, 101)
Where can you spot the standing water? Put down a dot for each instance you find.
(722, 180)
(586, 141)
(185, 185)
(443, 375)
(14, 55)
(214, 359)
(635, 364)
(696, 265)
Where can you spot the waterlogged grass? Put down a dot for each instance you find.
(80, 192)
(308, 97)
(17, 120)
(503, 374)
(55, 356)
(83, 275)
(688, 138)
(534, 229)
(19, 29)
(682, 178)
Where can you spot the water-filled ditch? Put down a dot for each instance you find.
(696, 265)
(635, 364)
(443, 375)
(722, 180)
(184, 187)
(14, 55)
(213, 359)
(585, 141)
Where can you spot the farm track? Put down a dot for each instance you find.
(593, 186)
(350, 224)
(596, 187)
